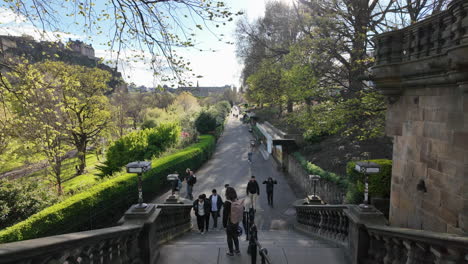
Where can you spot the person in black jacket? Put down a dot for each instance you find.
(269, 189)
(202, 210)
(253, 191)
(216, 202)
(231, 228)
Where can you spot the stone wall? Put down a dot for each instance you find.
(423, 69)
(328, 191)
(430, 129)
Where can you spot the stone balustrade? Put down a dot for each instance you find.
(327, 221)
(108, 245)
(402, 245)
(366, 237)
(430, 37)
(136, 240)
(430, 52)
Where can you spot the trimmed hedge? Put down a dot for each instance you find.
(105, 203)
(316, 170)
(379, 183)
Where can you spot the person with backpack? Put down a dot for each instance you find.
(253, 191)
(191, 180)
(232, 215)
(269, 189)
(216, 203)
(201, 207)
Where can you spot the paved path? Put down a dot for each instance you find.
(229, 165)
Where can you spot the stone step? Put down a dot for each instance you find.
(283, 247)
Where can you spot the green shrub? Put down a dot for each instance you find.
(105, 203)
(379, 183)
(316, 170)
(20, 199)
(205, 122)
(149, 123)
(139, 145)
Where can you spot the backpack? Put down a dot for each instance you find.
(192, 180)
(237, 211)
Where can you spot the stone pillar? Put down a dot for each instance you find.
(358, 237)
(427, 117)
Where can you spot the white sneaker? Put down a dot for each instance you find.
(203, 232)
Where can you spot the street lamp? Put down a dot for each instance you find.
(366, 167)
(139, 167)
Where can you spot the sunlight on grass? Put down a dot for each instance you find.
(71, 182)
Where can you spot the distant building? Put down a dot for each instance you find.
(82, 48)
(204, 91)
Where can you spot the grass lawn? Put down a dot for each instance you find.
(70, 182)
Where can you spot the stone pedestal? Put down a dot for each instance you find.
(358, 238)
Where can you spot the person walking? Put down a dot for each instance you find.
(201, 207)
(232, 215)
(216, 203)
(191, 180)
(253, 191)
(270, 184)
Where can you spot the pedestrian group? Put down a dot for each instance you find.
(235, 210)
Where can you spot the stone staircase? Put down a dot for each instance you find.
(283, 247)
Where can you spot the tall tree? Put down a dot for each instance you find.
(87, 110)
(37, 107)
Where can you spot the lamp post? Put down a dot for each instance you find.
(139, 167)
(313, 199)
(366, 167)
(173, 179)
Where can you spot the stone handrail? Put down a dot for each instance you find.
(402, 245)
(327, 221)
(97, 246)
(136, 240)
(367, 239)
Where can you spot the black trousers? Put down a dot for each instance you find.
(215, 216)
(270, 198)
(232, 238)
(203, 222)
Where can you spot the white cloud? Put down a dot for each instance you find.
(13, 24)
(8, 16)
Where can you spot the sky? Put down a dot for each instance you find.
(217, 63)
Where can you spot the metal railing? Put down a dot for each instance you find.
(254, 244)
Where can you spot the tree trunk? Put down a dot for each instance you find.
(57, 168)
(81, 145)
(290, 106)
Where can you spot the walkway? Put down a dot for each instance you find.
(229, 165)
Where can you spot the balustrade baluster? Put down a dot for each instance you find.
(335, 225)
(321, 225)
(446, 255)
(389, 256)
(399, 251)
(464, 23)
(422, 254)
(456, 26)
